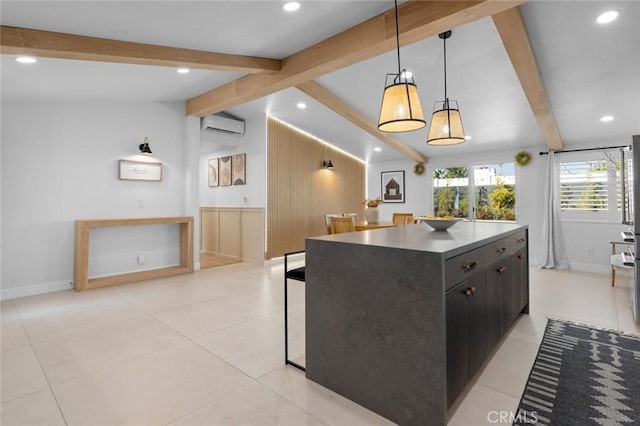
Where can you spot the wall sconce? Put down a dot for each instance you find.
(144, 147)
(327, 164)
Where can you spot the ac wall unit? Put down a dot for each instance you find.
(220, 124)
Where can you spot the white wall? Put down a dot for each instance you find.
(59, 164)
(254, 144)
(587, 242)
(416, 188)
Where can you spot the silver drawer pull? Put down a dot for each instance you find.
(501, 250)
(467, 268)
(521, 240)
(501, 269)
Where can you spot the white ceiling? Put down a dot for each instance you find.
(589, 70)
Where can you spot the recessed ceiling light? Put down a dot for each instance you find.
(467, 137)
(377, 149)
(301, 105)
(608, 16)
(26, 60)
(183, 70)
(291, 6)
(606, 118)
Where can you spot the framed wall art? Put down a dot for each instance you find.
(212, 170)
(224, 171)
(138, 170)
(239, 172)
(392, 186)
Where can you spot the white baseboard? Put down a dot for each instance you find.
(30, 290)
(598, 269)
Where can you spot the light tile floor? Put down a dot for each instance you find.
(207, 348)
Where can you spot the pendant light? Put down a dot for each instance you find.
(401, 110)
(446, 124)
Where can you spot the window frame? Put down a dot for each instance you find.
(611, 215)
(472, 190)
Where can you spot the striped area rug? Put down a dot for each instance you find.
(582, 376)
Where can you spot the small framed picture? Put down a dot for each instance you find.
(225, 171)
(212, 170)
(392, 186)
(138, 170)
(239, 172)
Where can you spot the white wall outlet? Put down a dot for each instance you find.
(589, 251)
(140, 259)
(140, 204)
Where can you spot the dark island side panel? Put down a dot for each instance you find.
(375, 329)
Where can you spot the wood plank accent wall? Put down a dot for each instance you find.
(300, 192)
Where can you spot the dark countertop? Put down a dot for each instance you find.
(461, 237)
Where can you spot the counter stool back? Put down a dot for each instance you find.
(297, 274)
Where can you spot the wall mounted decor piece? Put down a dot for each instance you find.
(213, 171)
(392, 186)
(239, 169)
(225, 171)
(138, 170)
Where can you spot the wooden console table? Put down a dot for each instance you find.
(81, 279)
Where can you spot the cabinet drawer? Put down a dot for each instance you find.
(504, 247)
(463, 266)
(517, 241)
(498, 249)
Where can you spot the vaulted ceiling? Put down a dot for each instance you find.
(539, 74)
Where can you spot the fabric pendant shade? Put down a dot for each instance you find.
(446, 125)
(401, 110)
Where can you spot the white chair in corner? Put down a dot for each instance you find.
(616, 259)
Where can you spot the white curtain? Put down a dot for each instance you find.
(552, 250)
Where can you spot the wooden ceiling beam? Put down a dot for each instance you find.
(514, 35)
(23, 41)
(417, 20)
(333, 102)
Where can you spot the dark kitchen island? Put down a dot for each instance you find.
(399, 319)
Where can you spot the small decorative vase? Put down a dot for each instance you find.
(372, 214)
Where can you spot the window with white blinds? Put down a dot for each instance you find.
(584, 186)
(590, 188)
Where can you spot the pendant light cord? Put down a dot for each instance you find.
(397, 40)
(446, 100)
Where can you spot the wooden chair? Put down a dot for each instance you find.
(327, 220)
(410, 220)
(399, 218)
(342, 224)
(616, 260)
(352, 215)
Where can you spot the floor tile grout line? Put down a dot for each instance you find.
(49, 339)
(106, 367)
(55, 398)
(214, 331)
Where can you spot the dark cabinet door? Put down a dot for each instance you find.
(495, 277)
(502, 313)
(477, 322)
(457, 341)
(520, 264)
(466, 333)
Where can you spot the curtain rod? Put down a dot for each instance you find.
(585, 149)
